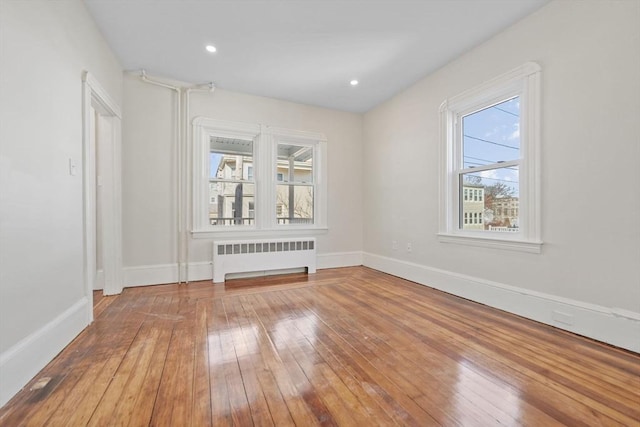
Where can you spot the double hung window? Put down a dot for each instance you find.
(490, 164)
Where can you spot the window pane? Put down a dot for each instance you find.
(230, 159)
(495, 202)
(294, 204)
(231, 203)
(492, 135)
(295, 163)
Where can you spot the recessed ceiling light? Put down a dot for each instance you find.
(353, 83)
(211, 48)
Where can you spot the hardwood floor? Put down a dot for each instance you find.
(348, 347)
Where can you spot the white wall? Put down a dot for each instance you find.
(589, 53)
(149, 176)
(44, 48)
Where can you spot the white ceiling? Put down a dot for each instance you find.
(304, 51)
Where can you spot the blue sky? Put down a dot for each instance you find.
(214, 160)
(493, 135)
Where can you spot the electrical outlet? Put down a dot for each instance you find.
(73, 167)
(394, 245)
(409, 248)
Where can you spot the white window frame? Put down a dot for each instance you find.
(318, 143)
(203, 130)
(265, 140)
(524, 82)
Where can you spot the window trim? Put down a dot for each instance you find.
(265, 140)
(524, 82)
(319, 183)
(203, 129)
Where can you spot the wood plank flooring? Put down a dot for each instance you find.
(343, 347)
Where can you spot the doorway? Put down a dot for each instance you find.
(101, 191)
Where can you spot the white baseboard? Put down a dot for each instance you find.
(339, 259)
(144, 275)
(200, 271)
(615, 326)
(98, 284)
(20, 363)
(158, 274)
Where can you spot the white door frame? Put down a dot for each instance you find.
(95, 95)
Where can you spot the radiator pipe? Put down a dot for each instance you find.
(144, 78)
(209, 88)
(183, 195)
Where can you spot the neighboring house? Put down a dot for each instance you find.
(486, 213)
(233, 203)
(473, 207)
(505, 213)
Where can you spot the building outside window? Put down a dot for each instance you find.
(296, 189)
(472, 207)
(230, 186)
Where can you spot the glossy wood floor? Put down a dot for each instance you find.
(348, 347)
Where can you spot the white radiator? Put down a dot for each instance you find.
(248, 256)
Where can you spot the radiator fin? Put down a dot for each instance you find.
(264, 247)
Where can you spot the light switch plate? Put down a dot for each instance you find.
(73, 167)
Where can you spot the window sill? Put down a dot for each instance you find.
(264, 233)
(489, 242)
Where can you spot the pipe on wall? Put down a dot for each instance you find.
(209, 88)
(178, 90)
(183, 195)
